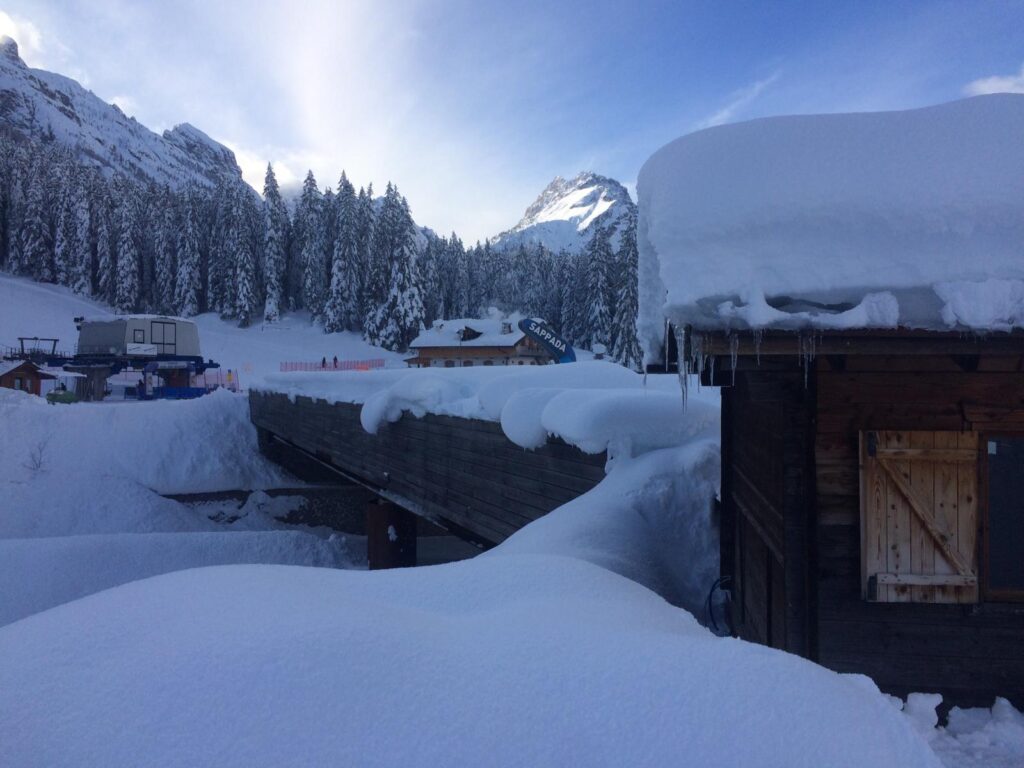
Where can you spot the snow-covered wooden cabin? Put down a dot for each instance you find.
(24, 376)
(476, 341)
(854, 284)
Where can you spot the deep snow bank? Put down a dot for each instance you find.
(514, 660)
(79, 508)
(98, 467)
(913, 218)
(43, 572)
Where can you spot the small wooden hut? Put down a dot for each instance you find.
(854, 284)
(23, 375)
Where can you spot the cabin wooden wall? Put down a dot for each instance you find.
(968, 653)
(767, 493)
(460, 471)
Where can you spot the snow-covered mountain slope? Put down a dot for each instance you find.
(561, 217)
(35, 103)
(38, 309)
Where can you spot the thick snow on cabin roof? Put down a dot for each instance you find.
(445, 333)
(912, 218)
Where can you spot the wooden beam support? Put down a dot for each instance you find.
(868, 342)
(947, 455)
(926, 580)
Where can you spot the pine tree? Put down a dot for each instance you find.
(452, 280)
(127, 290)
(189, 277)
(399, 317)
(106, 257)
(342, 309)
(366, 219)
(313, 252)
(80, 234)
(626, 345)
(36, 235)
(243, 255)
(597, 320)
(65, 247)
(275, 229)
(165, 253)
(220, 268)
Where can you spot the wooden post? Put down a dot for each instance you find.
(390, 536)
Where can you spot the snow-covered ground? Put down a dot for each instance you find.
(35, 309)
(573, 643)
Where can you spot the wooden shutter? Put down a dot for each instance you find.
(919, 516)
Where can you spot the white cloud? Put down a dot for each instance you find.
(738, 101)
(997, 84)
(26, 34)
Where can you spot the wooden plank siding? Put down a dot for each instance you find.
(935, 396)
(461, 471)
(767, 493)
(966, 652)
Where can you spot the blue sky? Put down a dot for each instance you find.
(472, 107)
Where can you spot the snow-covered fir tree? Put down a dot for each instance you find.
(399, 316)
(36, 242)
(625, 345)
(313, 233)
(342, 308)
(164, 254)
(596, 322)
(366, 219)
(275, 235)
(189, 278)
(127, 290)
(242, 249)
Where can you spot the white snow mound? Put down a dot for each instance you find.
(912, 218)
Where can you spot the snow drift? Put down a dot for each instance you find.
(911, 218)
(596, 406)
(80, 510)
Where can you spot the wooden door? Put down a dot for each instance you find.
(919, 516)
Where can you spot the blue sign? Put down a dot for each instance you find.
(559, 348)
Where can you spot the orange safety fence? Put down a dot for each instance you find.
(333, 365)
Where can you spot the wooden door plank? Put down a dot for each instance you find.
(927, 580)
(899, 515)
(945, 503)
(967, 514)
(942, 538)
(937, 454)
(922, 480)
(874, 524)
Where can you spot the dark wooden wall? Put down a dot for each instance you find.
(767, 492)
(460, 472)
(968, 653)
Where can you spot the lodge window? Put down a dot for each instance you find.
(449, 363)
(1004, 539)
(139, 336)
(19, 383)
(919, 516)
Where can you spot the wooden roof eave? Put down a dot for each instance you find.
(885, 341)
